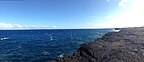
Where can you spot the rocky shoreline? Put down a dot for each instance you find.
(124, 46)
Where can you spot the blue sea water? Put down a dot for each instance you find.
(43, 45)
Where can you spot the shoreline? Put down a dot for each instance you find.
(123, 46)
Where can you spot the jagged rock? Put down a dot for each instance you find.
(124, 46)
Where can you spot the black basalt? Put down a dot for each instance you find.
(124, 46)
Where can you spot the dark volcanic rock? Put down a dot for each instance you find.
(124, 46)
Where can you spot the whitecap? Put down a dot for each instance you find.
(116, 30)
(61, 56)
(4, 38)
(51, 38)
(45, 53)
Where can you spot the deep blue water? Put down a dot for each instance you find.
(43, 45)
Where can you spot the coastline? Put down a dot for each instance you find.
(127, 45)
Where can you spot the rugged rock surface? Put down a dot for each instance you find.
(124, 46)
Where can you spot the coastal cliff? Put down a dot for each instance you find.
(124, 46)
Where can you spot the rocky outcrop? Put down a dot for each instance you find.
(124, 46)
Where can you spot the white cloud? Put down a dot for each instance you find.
(10, 26)
(54, 26)
(19, 26)
(107, 0)
(123, 2)
(34, 26)
(133, 17)
(5, 25)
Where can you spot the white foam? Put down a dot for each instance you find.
(1, 38)
(45, 53)
(4, 38)
(116, 30)
(51, 38)
(61, 56)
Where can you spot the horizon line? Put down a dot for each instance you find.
(58, 29)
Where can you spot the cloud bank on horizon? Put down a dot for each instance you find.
(18, 26)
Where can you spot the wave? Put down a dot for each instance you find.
(4, 38)
(61, 56)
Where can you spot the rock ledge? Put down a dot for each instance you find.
(124, 46)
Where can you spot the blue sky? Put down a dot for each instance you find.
(63, 14)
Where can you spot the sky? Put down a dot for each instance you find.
(70, 14)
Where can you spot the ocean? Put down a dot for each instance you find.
(43, 45)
